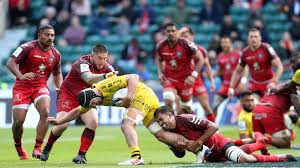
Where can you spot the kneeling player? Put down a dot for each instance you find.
(203, 132)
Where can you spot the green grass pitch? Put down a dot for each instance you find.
(109, 148)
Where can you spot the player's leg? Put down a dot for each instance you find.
(55, 133)
(20, 105)
(90, 119)
(42, 103)
(19, 116)
(132, 117)
(203, 99)
(259, 144)
(281, 139)
(236, 154)
(169, 96)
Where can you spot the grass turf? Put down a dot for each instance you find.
(109, 148)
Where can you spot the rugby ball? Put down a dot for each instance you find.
(120, 93)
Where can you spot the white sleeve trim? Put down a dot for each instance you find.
(17, 52)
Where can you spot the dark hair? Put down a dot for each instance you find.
(44, 27)
(226, 37)
(162, 110)
(168, 25)
(245, 93)
(84, 97)
(190, 30)
(295, 61)
(100, 48)
(254, 29)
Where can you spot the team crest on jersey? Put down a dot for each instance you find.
(232, 59)
(51, 59)
(178, 54)
(227, 66)
(260, 56)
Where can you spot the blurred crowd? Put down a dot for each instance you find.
(74, 20)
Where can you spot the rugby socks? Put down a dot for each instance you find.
(250, 148)
(87, 138)
(51, 140)
(238, 142)
(18, 142)
(211, 117)
(38, 143)
(135, 152)
(265, 158)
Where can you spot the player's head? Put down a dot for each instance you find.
(88, 98)
(99, 56)
(254, 38)
(46, 35)
(295, 61)
(296, 77)
(165, 117)
(171, 31)
(226, 43)
(247, 101)
(187, 33)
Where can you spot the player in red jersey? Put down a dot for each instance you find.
(268, 115)
(32, 63)
(87, 70)
(202, 132)
(260, 58)
(227, 62)
(174, 58)
(199, 90)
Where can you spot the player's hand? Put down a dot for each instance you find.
(230, 92)
(271, 85)
(189, 81)
(27, 76)
(181, 143)
(126, 101)
(162, 78)
(52, 121)
(194, 146)
(111, 74)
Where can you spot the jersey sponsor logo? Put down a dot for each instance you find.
(232, 59)
(43, 90)
(242, 125)
(166, 53)
(42, 68)
(196, 120)
(17, 52)
(271, 50)
(37, 56)
(84, 68)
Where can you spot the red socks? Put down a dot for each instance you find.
(211, 117)
(87, 138)
(51, 139)
(238, 142)
(38, 143)
(250, 148)
(265, 158)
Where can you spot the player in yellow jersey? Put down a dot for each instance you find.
(245, 119)
(140, 102)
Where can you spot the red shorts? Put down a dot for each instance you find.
(199, 87)
(267, 119)
(183, 91)
(65, 102)
(218, 144)
(23, 96)
(258, 88)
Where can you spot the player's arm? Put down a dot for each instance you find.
(279, 69)
(235, 77)
(74, 113)
(219, 72)
(199, 58)
(89, 77)
(13, 64)
(295, 99)
(57, 75)
(207, 127)
(159, 62)
(132, 82)
(209, 73)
